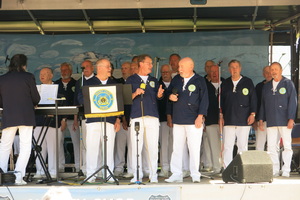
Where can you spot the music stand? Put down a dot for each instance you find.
(101, 102)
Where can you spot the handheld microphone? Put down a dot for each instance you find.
(137, 126)
(143, 87)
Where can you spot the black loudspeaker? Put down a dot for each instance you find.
(249, 167)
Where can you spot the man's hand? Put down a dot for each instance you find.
(117, 125)
(290, 124)
(63, 125)
(124, 123)
(199, 121)
(160, 92)
(251, 119)
(169, 121)
(173, 97)
(138, 92)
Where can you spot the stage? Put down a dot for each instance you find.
(207, 189)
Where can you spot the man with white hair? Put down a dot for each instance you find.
(278, 109)
(95, 126)
(66, 88)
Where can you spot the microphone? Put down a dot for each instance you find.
(220, 62)
(137, 126)
(143, 87)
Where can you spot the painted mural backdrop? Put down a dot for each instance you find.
(248, 46)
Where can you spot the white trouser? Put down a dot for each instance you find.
(241, 134)
(95, 141)
(273, 140)
(214, 142)
(123, 140)
(8, 135)
(48, 147)
(16, 145)
(147, 138)
(261, 138)
(83, 146)
(192, 136)
(205, 156)
(75, 136)
(166, 145)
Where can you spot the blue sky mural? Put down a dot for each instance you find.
(248, 46)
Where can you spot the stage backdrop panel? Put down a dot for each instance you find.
(248, 46)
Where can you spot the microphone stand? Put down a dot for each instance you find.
(137, 182)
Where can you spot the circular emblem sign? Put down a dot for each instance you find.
(192, 88)
(103, 99)
(282, 90)
(245, 91)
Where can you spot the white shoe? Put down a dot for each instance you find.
(154, 180)
(173, 179)
(19, 179)
(285, 174)
(128, 175)
(275, 175)
(196, 180)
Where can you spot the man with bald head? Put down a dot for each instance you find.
(278, 109)
(188, 92)
(94, 126)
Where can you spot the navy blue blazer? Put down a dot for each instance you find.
(237, 106)
(149, 100)
(68, 93)
(192, 101)
(213, 107)
(258, 89)
(18, 96)
(279, 106)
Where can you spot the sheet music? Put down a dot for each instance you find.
(48, 93)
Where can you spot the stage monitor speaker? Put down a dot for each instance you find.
(198, 2)
(249, 167)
